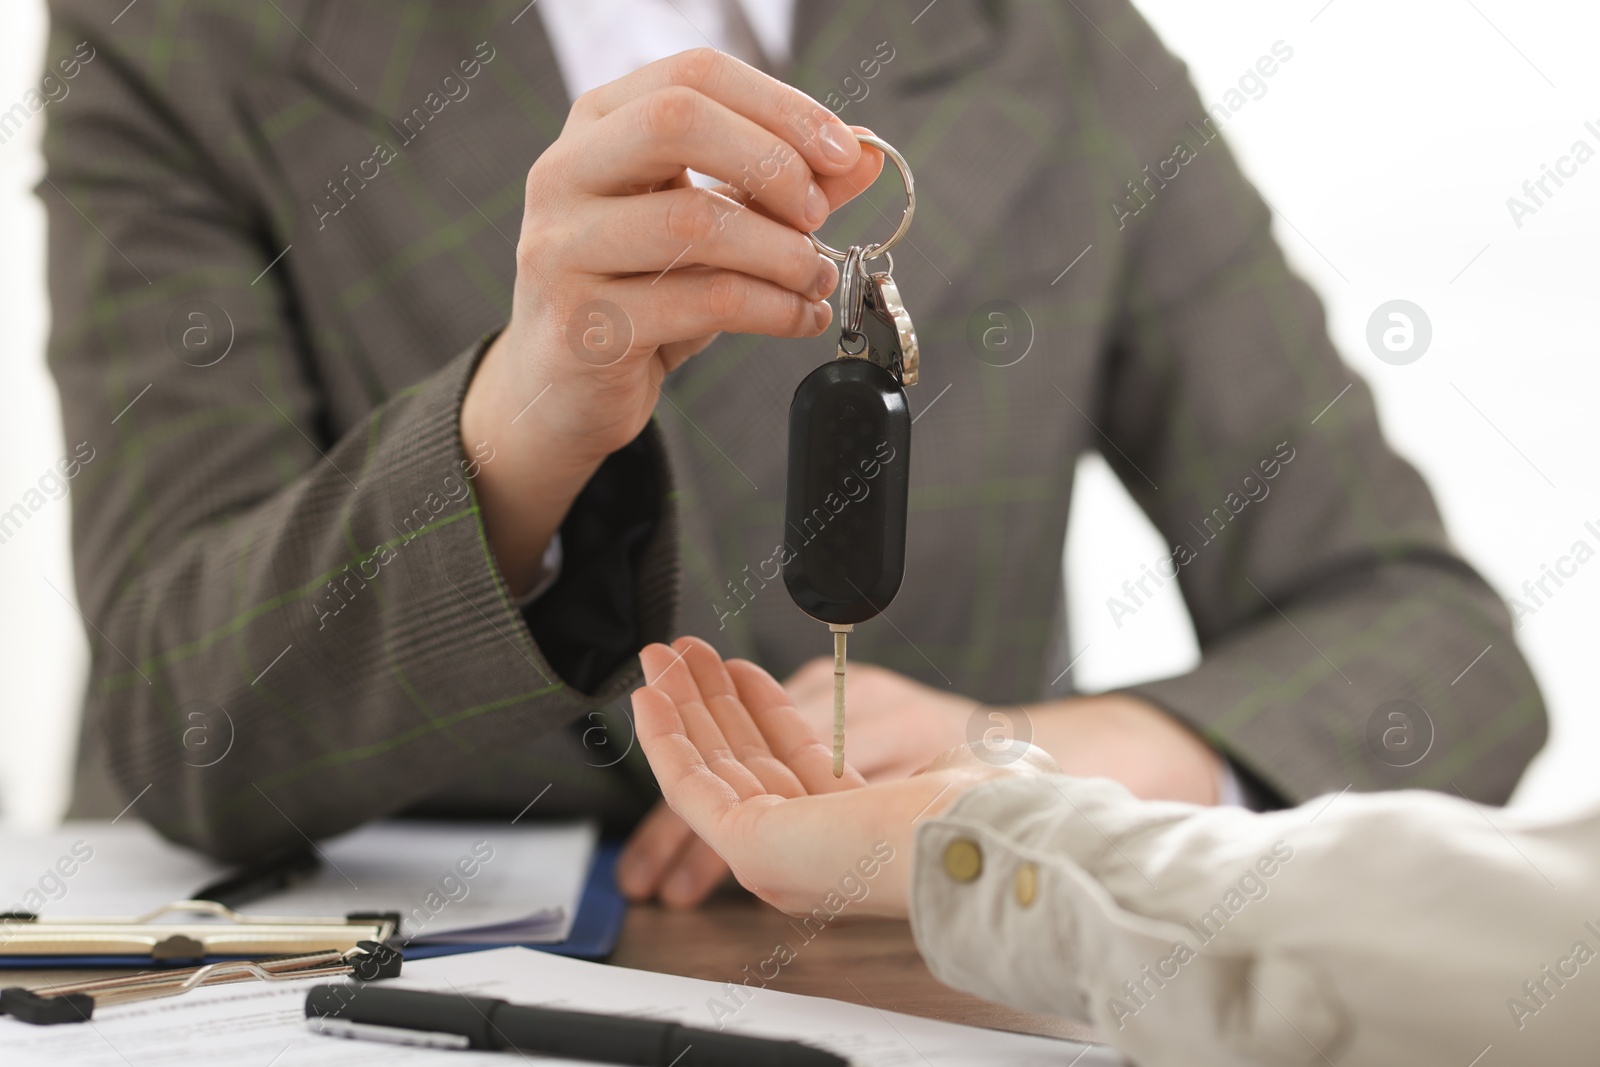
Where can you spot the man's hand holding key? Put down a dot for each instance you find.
(611, 216)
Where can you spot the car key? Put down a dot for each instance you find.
(849, 455)
(845, 512)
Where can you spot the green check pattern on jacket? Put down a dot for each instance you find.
(199, 159)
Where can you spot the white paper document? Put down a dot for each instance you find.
(255, 1024)
(450, 881)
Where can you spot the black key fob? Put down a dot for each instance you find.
(849, 475)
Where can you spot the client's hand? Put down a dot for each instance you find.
(738, 764)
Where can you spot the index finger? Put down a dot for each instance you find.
(826, 144)
(700, 796)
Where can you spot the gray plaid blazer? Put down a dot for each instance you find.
(279, 234)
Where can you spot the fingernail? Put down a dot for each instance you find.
(839, 144)
(816, 206)
(827, 276)
(823, 314)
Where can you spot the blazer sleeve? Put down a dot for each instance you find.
(293, 629)
(1324, 591)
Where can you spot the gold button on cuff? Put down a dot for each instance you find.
(1026, 884)
(962, 860)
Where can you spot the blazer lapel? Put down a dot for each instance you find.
(371, 61)
(446, 205)
(389, 72)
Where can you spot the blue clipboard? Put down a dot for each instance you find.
(595, 929)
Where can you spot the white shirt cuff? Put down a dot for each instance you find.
(1229, 792)
(549, 571)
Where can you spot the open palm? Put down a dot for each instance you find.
(740, 765)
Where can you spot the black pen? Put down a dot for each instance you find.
(257, 879)
(451, 1020)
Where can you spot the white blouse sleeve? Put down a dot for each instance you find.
(1396, 928)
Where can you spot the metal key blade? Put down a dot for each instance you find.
(840, 633)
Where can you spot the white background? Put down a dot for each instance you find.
(1392, 140)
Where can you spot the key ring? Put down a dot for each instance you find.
(874, 251)
(852, 302)
(852, 292)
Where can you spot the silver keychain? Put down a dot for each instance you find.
(873, 321)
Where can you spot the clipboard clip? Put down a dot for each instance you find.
(357, 945)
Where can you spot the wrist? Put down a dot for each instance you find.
(932, 794)
(894, 830)
(536, 474)
(510, 402)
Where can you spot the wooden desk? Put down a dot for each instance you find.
(871, 962)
